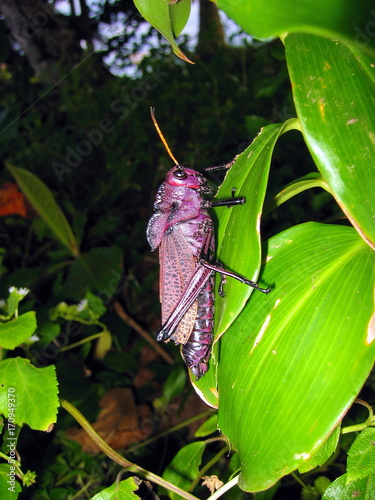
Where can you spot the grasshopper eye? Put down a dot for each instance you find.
(180, 174)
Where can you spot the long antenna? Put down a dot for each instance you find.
(163, 140)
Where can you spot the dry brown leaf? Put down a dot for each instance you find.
(213, 483)
(119, 424)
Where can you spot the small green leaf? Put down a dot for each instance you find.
(184, 468)
(33, 391)
(122, 490)
(95, 304)
(342, 489)
(45, 204)
(311, 180)
(169, 18)
(88, 311)
(174, 384)
(17, 330)
(15, 297)
(361, 456)
(209, 426)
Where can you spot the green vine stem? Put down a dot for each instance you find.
(145, 335)
(171, 430)
(116, 457)
(211, 462)
(298, 479)
(83, 341)
(16, 464)
(369, 422)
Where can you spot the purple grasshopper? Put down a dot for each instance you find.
(183, 229)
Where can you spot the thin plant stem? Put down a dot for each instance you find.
(83, 341)
(224, 488)
(208, 465)
(173, 429)
(116, 457)
(369, 422)
(133, 324)
(298, 479)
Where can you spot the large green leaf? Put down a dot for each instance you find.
(45, 204)
(239, 247)
(342, 19)
(334, 93)
(293, 362)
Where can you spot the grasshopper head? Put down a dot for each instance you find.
(187, 177)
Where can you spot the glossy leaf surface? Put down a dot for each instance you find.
(293, 361)
(342, 19)
(334, 94)
(323, 454)
(238, 240)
